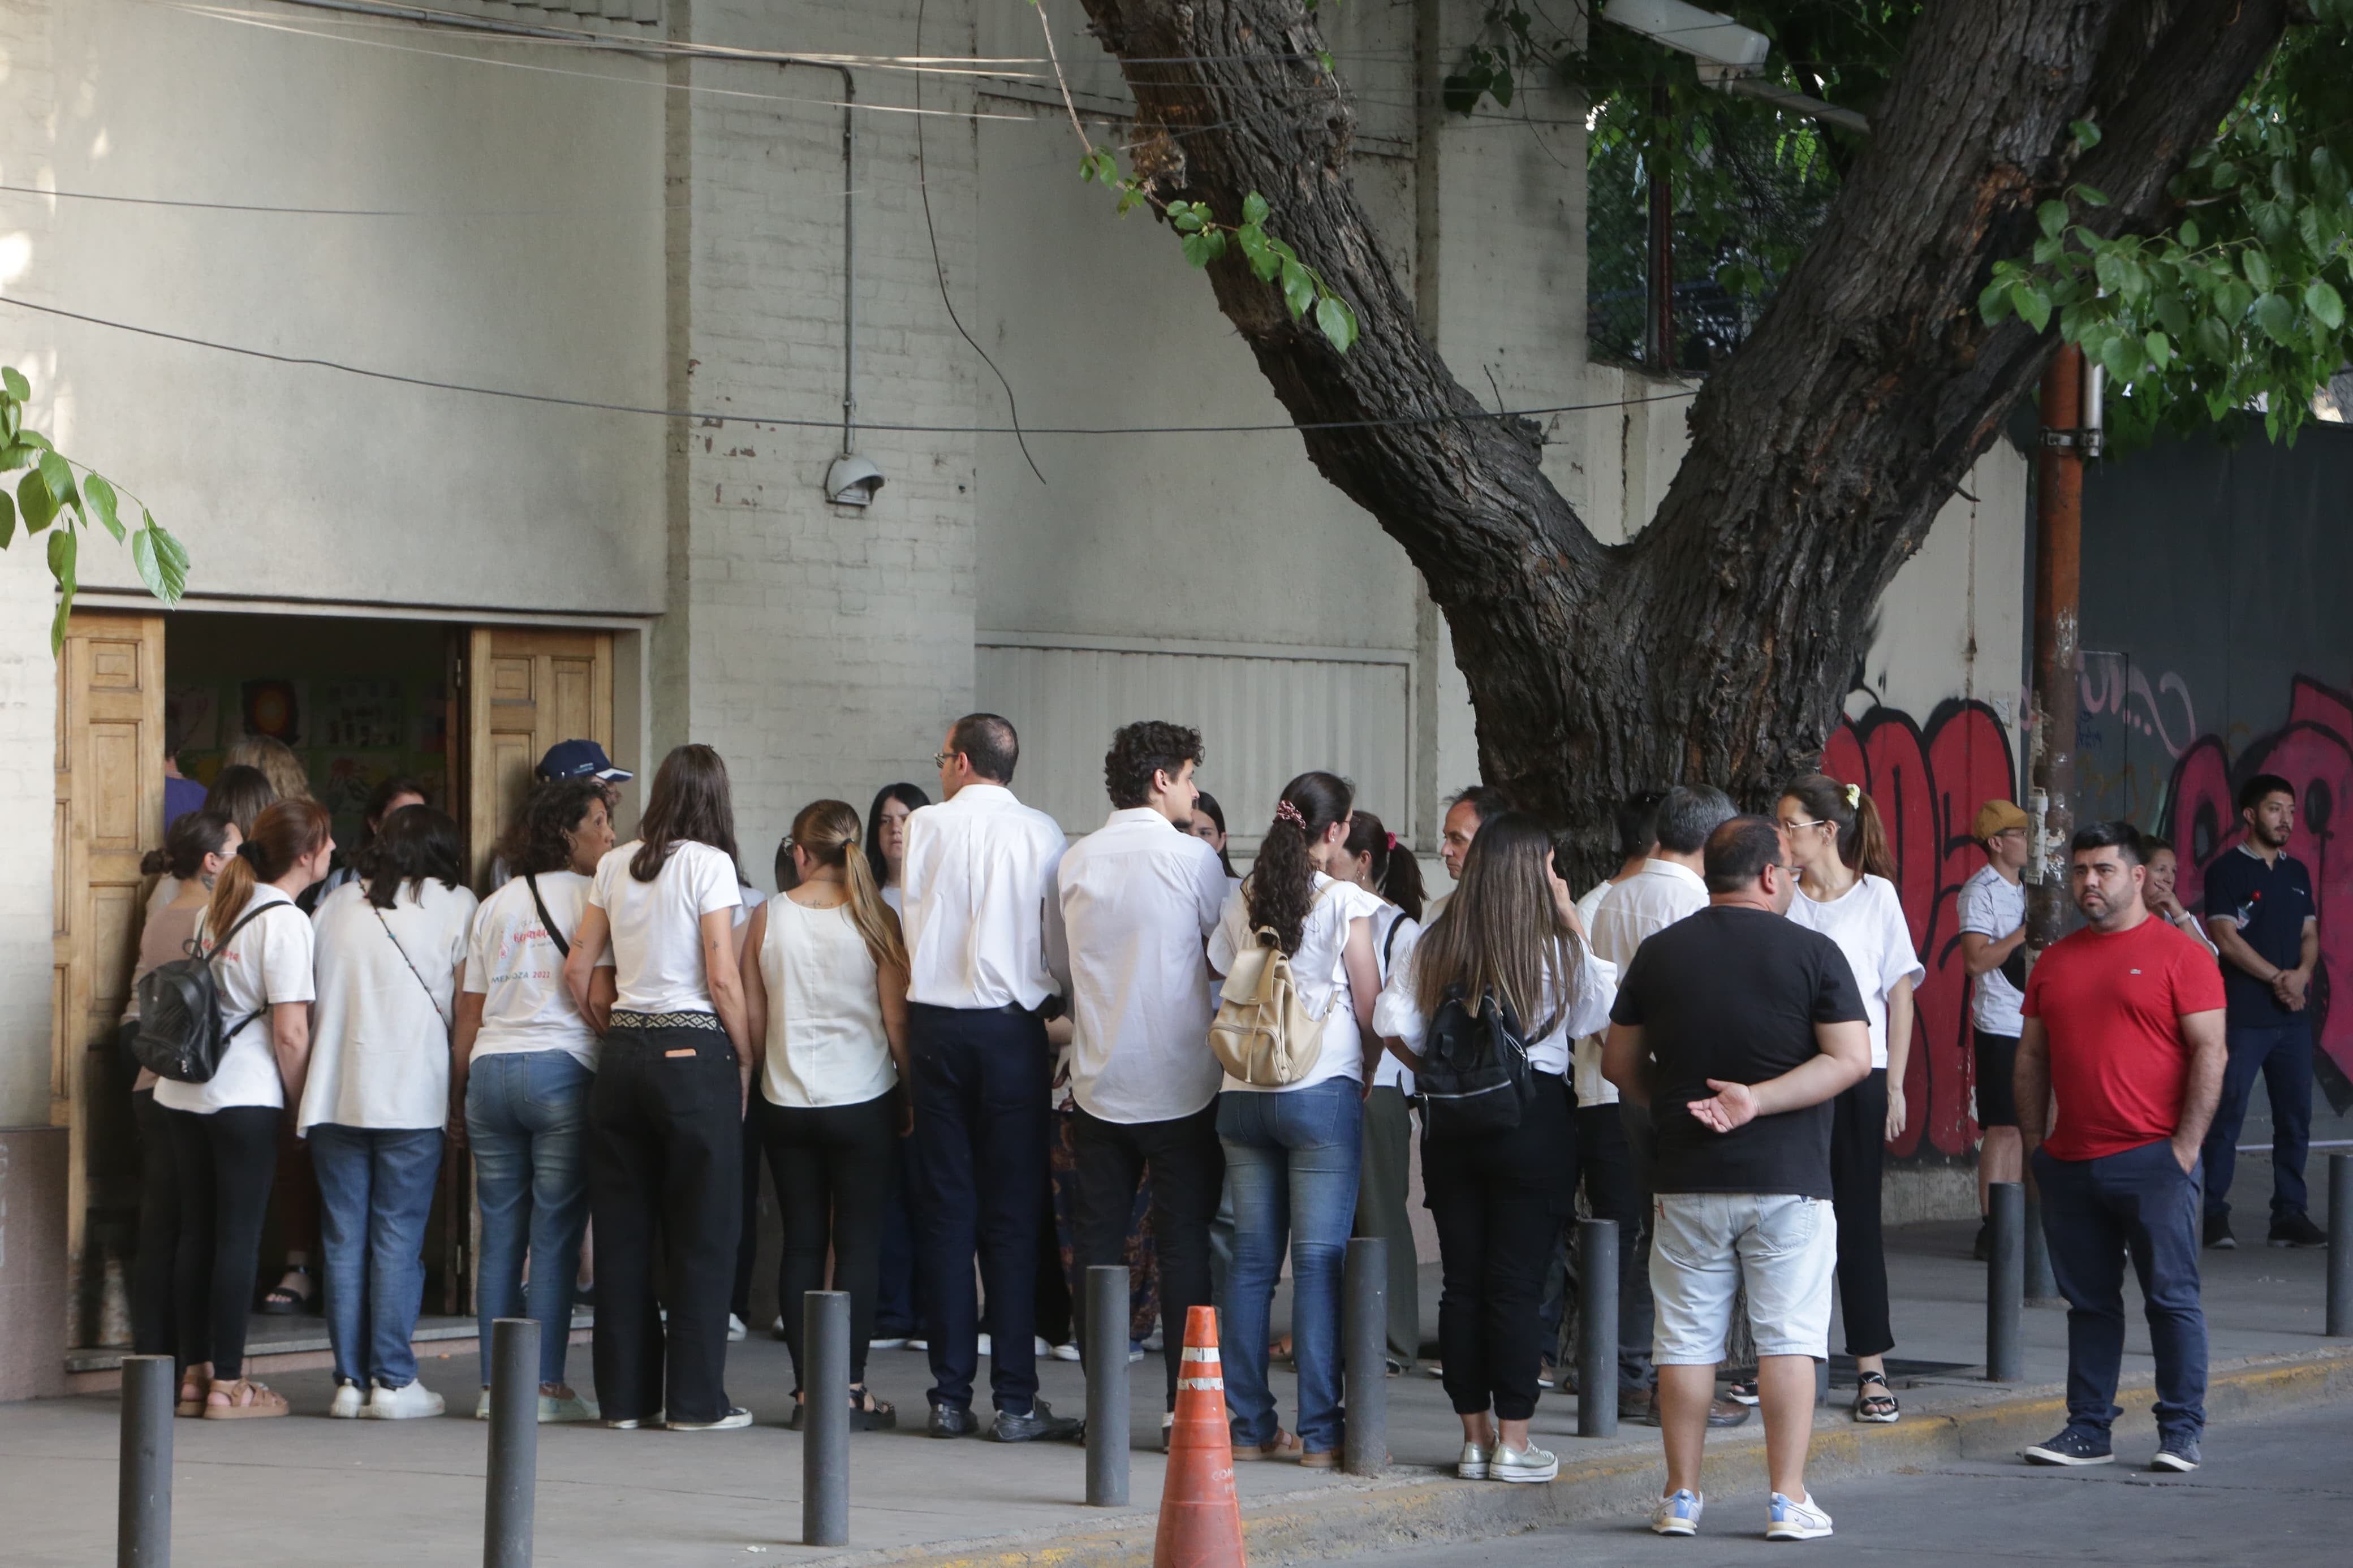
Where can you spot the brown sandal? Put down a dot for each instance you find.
(1284, 1445)
(191, 1400)
(244, 1400)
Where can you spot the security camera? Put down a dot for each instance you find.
(852, 480)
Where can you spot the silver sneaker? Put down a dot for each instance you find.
(1529, 1464)
(1471, 1464)
(1677, 1514)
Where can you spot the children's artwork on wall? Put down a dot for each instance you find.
(359, 716)
(272, 708)
(192, 717)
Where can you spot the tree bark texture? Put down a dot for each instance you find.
(1716, 645)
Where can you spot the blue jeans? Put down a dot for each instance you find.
(2093, 1212)
(375, 1188)
(526, 1114)
(2283, 1053)
(1292, 1160)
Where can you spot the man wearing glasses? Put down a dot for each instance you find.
(1993, 946)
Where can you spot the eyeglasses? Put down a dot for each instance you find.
(1793, 827)
(942, 759)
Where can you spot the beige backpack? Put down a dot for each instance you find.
(1263, 1034)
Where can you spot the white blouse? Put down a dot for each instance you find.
(387, 999)
(1401, 1015)
(1318, 970)
(266, 963)
(825, 1042)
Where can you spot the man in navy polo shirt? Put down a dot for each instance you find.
(2260, 914)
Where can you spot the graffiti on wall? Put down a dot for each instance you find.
(2314, 752)
(1927, 783)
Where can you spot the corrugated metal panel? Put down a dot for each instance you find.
(1264, 718)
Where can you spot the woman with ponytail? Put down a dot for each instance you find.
(1845, 892)
(225, 1130)
(1293, 1151)
(198, 844)
(825, 988)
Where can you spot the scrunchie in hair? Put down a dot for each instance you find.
(1286, 812)
(1392, 838)
(250, 851)
(1855, 798)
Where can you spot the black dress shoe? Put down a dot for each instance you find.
(1039, 1422)
(951, 1421)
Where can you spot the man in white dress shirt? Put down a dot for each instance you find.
(978, 868)
(1668, 886)
(1135, 901)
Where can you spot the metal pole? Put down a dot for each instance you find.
(2041, 1285)
(2340, 1247)
(2058, 597)
(142, 1531)
(1107, 1418)
(1597, 1328)
(824, 1420)
(512, 1482)
(1658, 162)
(1364, 1331)
(2006, 1283)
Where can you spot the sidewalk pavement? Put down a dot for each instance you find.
(361, 1494)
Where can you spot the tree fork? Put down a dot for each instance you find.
(1716, 645)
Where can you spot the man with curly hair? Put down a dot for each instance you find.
(1132, 908)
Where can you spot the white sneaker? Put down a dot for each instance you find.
(349, 1402)
(1066, 1352)
(1042, 1348)
(981, 1347)
(887, 1343)
(917, 1344)
(1529, 1464)
(631, 1424)
(567, 1407)
(736, 1332)
(1801, 1520)
(1677, 1514)
(408, 1402)
(1471, 1465)
(735, 1419)
(482, 1406)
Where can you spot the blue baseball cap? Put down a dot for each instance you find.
(581, 759)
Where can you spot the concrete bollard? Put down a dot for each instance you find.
(1365, 1334)
(2340, 1247)
(511, 1482)
(825, 1418)
(2006, 1283)
(1107, 1412)
(1597, 1328)
(2041, 1284)
(142, 1531)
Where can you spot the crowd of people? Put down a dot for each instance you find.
(978, 1058)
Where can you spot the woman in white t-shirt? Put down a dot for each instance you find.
(825, 989)
(1384, 868)
(666, 1113)
(1292, 1152)
(1845, 892)
(391, 959)
(886, 836)
(1499, 1194)
(225, 1130)
(520, 1063)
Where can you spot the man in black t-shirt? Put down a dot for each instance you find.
(1739, 1027)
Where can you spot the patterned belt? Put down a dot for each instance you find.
(621, 1020)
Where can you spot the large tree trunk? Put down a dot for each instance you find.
(1716, 645)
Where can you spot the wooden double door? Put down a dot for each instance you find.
(514, 691)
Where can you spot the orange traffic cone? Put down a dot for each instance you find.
(1200, 1521)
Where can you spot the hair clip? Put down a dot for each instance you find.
(1855, 798)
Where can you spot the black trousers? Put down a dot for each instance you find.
(1189, 1170)
(226, 1161)
(833, 1168)
(980, 1091)
(665, 1174)
(152, 1310)
(747, 1244)
(1606, 1159)
(1499, 1200)
(1858, 1154)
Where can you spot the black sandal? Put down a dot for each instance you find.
(867, 1414)
(1879, 1409)
(281, 1302)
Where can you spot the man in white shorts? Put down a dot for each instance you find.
(1737, 1027)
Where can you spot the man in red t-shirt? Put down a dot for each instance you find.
(2124, 1028)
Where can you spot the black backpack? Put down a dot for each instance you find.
(180, 1032)
(1474, 1077)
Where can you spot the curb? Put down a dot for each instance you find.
(1396, 1512)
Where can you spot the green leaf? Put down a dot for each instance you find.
(100, 497)
(1254, 209)
(2092, 196)
(1198, 250)
(2034, 307)
(1993, 303)
(162, 565)
(64, 546)
(1298, 289)
(2086, 134)
(35, 502)
(2276, 314)
(7, 521)
(2213, 340)
(2052, 217)
(2110, 270)
(59, 476)
(1336, 321)
(2257, 266)
(14, 380)
(2328, 306)
(2190, 232)
(2173, 315)
(2223, 176)
(2123, 356)
(2160, 348)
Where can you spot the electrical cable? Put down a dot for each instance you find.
(794, 423)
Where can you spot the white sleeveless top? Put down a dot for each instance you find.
(826, 1043)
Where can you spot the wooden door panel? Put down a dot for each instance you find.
(530, 690)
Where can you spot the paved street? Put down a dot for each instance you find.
(2277, 1492)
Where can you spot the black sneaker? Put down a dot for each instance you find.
(951, 1421)
(2217, 1233)
(2296, 1228)
(2177, 1453)
(1038, 1422)
(2072, 1446)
